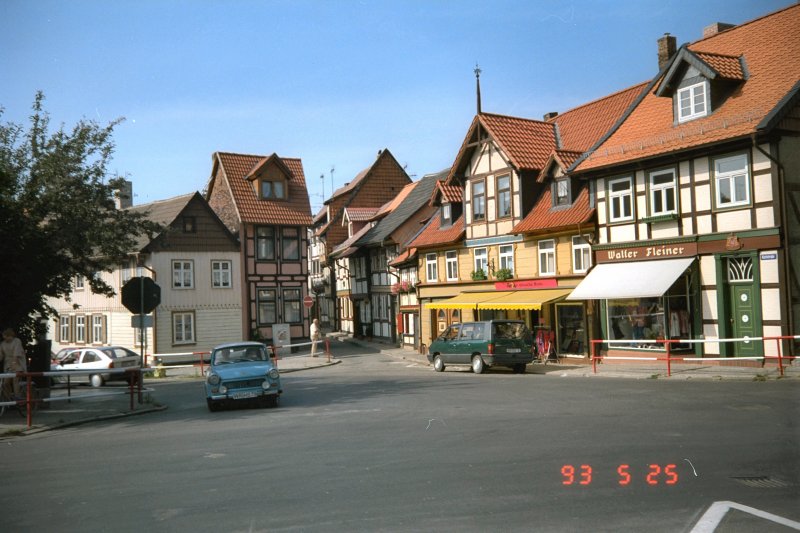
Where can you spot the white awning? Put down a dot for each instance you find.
(641, 279)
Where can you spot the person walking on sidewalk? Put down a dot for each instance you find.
(12, 355)
(316, 336)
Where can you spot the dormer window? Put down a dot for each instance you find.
(447, 214)
(562, 192)
(273, 190)
(692, 102)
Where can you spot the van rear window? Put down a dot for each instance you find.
(510, 330)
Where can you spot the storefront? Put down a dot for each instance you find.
(541, 309)
(645, 300)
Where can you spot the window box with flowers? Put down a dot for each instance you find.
(478, 275)
(503, 274)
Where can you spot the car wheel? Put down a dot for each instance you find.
(519, 368)
(96, 380)
(438, 364)
(477, 364)
(274, 401)
(212, 405)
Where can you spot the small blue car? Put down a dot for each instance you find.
(242, 372)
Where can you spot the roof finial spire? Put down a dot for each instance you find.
(478, 85)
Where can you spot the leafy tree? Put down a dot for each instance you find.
(58, 219)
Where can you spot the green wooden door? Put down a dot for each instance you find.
(743, 319)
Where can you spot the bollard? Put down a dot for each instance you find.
(328, 348)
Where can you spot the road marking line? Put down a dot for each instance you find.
(713, 516)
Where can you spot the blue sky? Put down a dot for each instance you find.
(330, 82)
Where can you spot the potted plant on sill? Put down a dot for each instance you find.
(503, 274)
(478, 275)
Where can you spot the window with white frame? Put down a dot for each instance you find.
(481, 260)
(692, 102)
(431, 273)
(503, 196)
(478, 200)
(98, 323)
(182, 274)
(547, 257)
(63, 329)
(221, 274)
(80, 282)
(732, 181)
(581, 255)
(80, 329)
(620, 199)
(662, 192)
(451, 260)
(182, 328)
(507, 257)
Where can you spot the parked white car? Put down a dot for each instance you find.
(98, 358)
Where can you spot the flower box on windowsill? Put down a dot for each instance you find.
(478, 275)
(660, 218)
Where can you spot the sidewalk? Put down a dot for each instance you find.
(90, 404)
(619, 369)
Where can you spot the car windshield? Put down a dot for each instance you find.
(238, 354)
(510, 330)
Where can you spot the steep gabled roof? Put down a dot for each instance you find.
(562, 158)
(415, 199)
(347, 247)
(362, 176)
(769, 47)
(449, 193)
(526, 143)
(166, 212)
(433, 234)
(360, 214)
(581, 127)
(237, 168)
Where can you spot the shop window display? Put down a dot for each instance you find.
(571, 328)
(651, 319)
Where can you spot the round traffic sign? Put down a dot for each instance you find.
(308, 301)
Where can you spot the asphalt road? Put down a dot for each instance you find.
(375, 444)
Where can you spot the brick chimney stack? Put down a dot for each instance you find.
(713, 29)
(667, 45)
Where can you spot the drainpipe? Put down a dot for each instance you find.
(785, 236)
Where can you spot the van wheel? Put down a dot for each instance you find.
(477, 364)
(438, 364)
(519, 368)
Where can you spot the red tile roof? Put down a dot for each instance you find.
(434, 234)
(545, 217)
(360, 214)
(407, 255)
(526, 142)
(581, 127)
(450, 193)
(770, 46)
(296, 210)
(727, 66)
(562, 158)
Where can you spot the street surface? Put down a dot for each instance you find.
(380, 444)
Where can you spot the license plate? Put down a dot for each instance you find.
(243, 395)
(513, 350)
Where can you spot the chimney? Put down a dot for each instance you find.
(667, 46)
(123, 197)
(549, 116)
(717, 27)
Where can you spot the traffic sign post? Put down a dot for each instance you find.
(140, 296)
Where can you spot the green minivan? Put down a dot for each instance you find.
(484, 344)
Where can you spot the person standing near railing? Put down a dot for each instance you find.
(12, 355)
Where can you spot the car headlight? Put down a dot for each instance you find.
(213, 380)
(273, 373)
